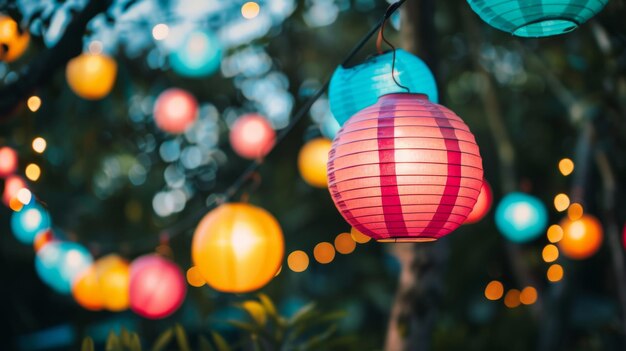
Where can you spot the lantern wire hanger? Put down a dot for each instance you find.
(379, 44)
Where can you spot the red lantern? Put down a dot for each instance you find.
(175, 110)
(157, 287)
(482, 206)
(405, 169)
(8, 161)
(252, 136)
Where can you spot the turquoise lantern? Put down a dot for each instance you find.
(528, 18)
(521, 217)
(198, 55)
(58, 263)
(29, 221)
(355, 88)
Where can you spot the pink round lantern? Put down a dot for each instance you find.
(8, 161)
(157, 287)
(482, 206)
(252, 136)
(405, 170)
(175, 110)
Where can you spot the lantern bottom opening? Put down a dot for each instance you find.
(545, 27)
(408, 239)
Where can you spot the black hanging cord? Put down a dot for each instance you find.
(381, 38)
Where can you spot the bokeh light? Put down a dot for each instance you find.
(521, 217)
(344, 244)
(324, 252)
(12, 185)
(555, 233)
(252, 136)
(43, 238)
(33, 172)
(198, 55)
(550, 253)
(160, 31)
(14, 41)
(114, 280)
(24, 196)
(358, 236)
(494, 290)
(91, 76)
(512, 298)
(582, 238)
(8, 161)
(29, 221)
(555, 273)
(298, 261)
(33, 103)
(250, 10)
(561, 202)
(528, 296)
(39, 145)
(483, 204)
(175, 110)
(194, 277)
(575, 211)
(312, 161)
(566, 166)
(60, 262)
(86, 289)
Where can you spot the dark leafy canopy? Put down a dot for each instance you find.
(548, 92)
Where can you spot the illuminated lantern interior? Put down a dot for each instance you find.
(312, 162)
(91, 76)
(175, 110)
(252, 136)
(521, 217)
(114, 278)
(8, 161)
(29, 221)
(157, 287)
(582, 237)
(482, 206)
(14, 41)
(60, 262)
(199, 54)
(238, 247)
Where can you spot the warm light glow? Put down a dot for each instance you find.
(42, 239)
(39, 145)
(8, 161)
(298, 261)
(494, 290)
(33, 103)
(575, 211)
(194, 277)
(512, 298)
(550, 253)
(561, 202)
(33, 172)
(250, 10)
(157, 286)
(324, 252)
(13, 41)
(91, 76)
(312, 162)
(160, 31)
(582, 238)
(555, 273)
(175, 110)
(12, 185)
(528, 296)
(555, 233)
(24, 196)
(15, 204)
(86, 290)
(358, 236)
(252, 136)
(114, 280)
(59, 263)
(566, 166)
(344, 244)
(95, 47)
(483, 204)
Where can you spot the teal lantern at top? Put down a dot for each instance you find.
(29, 221)
(536, 18)
(59, 263)
(521, 217)
(355, 88)
(198, 55)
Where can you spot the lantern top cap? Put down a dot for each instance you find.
(392, 96)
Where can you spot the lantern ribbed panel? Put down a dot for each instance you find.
(536, 18)
(355, 88)
(405, 169)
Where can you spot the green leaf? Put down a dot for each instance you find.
(181, 337)
(124, 338)
(205, 345)
(220, 343)
(87, 344)
(113, 342)
(245, 326)
(163, 340)
(315, 343)
(270, 308)
(134, 344)
(302, 314)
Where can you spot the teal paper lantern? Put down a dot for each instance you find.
(521, 217)
(199, 55)
(29, 221)
(355, 88)
(536, 18)
(58, 264)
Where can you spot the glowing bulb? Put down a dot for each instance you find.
(344, 244)
(298, 261)
(324, 252)
(160, 31)
(24, 196)
(33, 103)
(250, 10)
(561, 202)
(494, 290)
(528, 296)
(512, 298)
(550, 253)
(566, 166)
(555, 273)
(555, 233)
(33, 172)
(39, 145)
(575, 211)
(194, 277)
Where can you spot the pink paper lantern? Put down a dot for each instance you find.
(482, 206)
(8, 161)
(157, 287)
(252, 136)
(175, 110)
(405, 169)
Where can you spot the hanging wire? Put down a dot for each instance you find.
(381, 38)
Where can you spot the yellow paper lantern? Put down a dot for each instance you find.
(114, 278)
(238, 247)
(581, 237)
(86, 290)
(91, 76)
(312, 162)
(12, 39)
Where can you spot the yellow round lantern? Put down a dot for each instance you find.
(114, 279)
(312, 162)
(86, 290)
(238, 247)
(91, 76)
(13, 43)
(582, 237)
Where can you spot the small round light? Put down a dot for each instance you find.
(33, 103)
(358, 236)
(29, 221)
(561, 202)
(39, 145)
(194, 277)
(33, 172)
(555, 233)
(250, 10)
(344, 244)
(521, 217)
(550, 253)
(24, 196)
(494, 290)
(8, 161)
(555, 273)
(575, 211)
(512, 298)
(298, 261)
(566, 166)
(175, 110)
(324, 252)
(91, 76)
(160, 31)
(528, 296)
(312, 162)
(252, 136)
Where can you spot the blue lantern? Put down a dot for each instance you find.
(58, 263)
(329, 126)
(521, 217)
(198, 55)
(525, 18)
(355, 88)
(29, 221)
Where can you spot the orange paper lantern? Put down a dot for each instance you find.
(252, 136)
(114, 279)
(405, 169)
(175, 110)
(582, 237)
(482, 206)
(8, 161)
(86, 290)
(13, 42)
(91, 76)
(312, 162)
(238, 247)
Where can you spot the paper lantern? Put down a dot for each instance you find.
(114, 279)
(157, 287)
(482, 206)
(355, 88)
(198, 55)
(29, 221)
(175, 110)
(13, 42)
(91, 76)
(8, 161)
(86, 289)
(312, 162)
(405, 169)
(59, 263)
(536, 18)
(238, 247)
(521, 217)
(582, 238)
(252, 136)
(12, 185)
